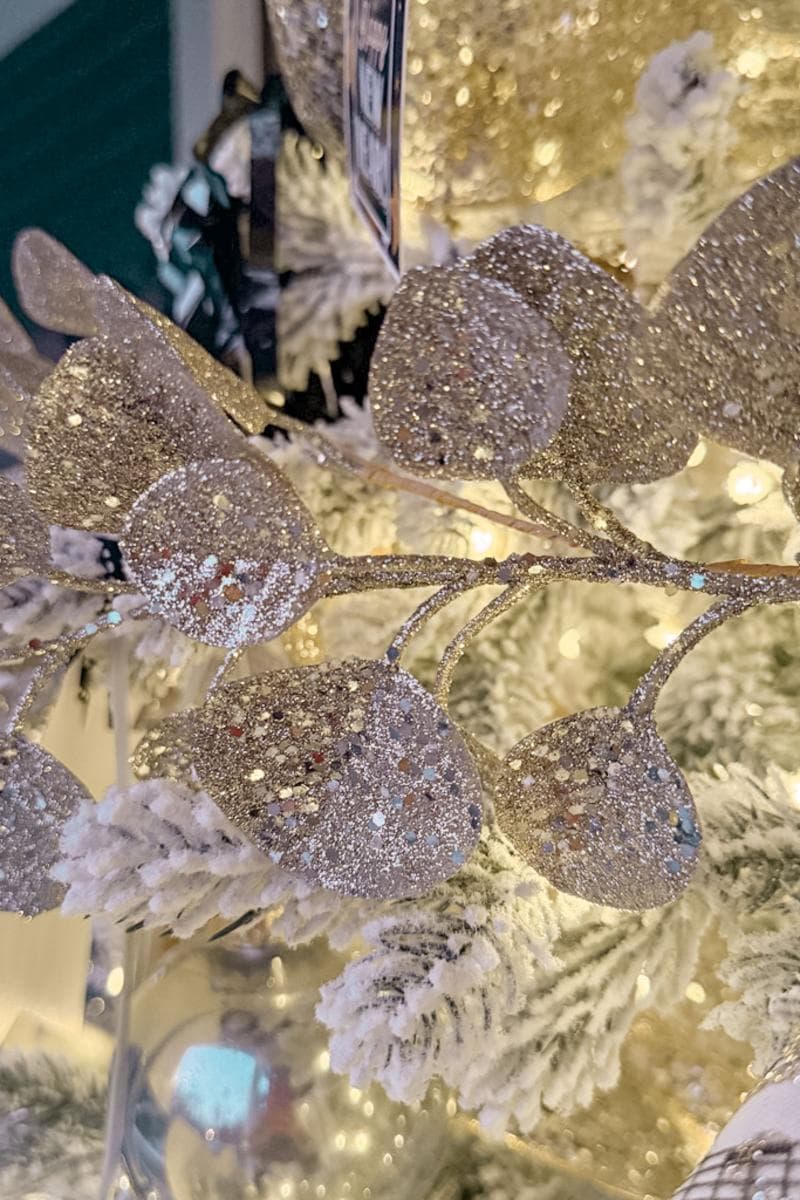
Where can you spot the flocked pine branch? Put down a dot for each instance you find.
(550, 988)
(680, 134)
(752, 883)
(400, 1017)
(160, 855)
(52, 1116)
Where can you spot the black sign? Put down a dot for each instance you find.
(373, 111)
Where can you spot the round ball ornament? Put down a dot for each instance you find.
(228, 1091)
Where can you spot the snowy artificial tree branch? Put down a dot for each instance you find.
(52, 1117)
(680, 134)
(549, 1036)
(161, 855)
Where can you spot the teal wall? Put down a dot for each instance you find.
(84, 113)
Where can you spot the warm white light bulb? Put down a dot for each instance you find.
(480, 540)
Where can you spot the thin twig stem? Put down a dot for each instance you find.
(467, 634)
(647, 690)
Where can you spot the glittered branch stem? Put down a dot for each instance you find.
(557, 526)
(490, 612)
(419, 570)
(375, 571)
(379, 475)
(541, 526)
(606, 522)
(230, 659)
(647, 691)
(54, 653)
(420, 617)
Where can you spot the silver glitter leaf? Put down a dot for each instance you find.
(37, 796)
(168, 355)
(54, 287)
(101, 429)
(466, 381)
(225, 551)
(609, 433)
(13, 338)
(348, 773)
(57, 290)
(24, 536)
(596, 804)
(724, 346)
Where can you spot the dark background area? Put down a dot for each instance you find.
(84, 114)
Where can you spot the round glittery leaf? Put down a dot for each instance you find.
(54, 287)
(168, 356)
(24, 536)
(37, 796)
(101, 430)
(349, 773)
(466, 381)
(724, 346)
(609, 432)
(596, 804)
(225, 551)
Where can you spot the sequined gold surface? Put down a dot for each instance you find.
(597, 806)
(349, 773)
(467, 381)
(225, 551)
(38, 795)
(509, 104)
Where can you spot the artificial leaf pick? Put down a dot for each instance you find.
(169, 354)
(37, 796)
(595, 802)
(597, 806)
(724, 345)
(609, 433)
(225, 551)
(100, 430)
(466, 382)
(55, 288)
(22, 370)
(61, 293)
(348, 773)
